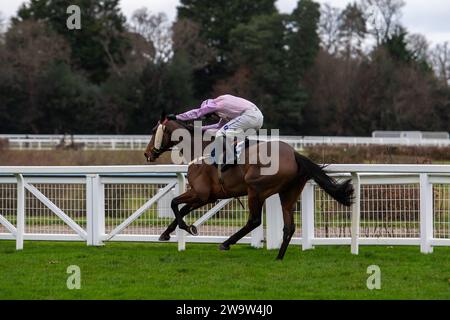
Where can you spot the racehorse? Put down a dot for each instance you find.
(245, 179)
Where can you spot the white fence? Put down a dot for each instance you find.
(411, 134)
(139, 142)
(394, 205)
(85, 142)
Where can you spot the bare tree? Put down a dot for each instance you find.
(141, 53)
(383, 17)
(418, 45)
(329, 28)
(155, 28)
(440, 57)
(108, 33)
(30, 49)
(352, 30)
(32, 46)
(186, 38)
(2, 24)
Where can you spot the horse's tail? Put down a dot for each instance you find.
(341, 192)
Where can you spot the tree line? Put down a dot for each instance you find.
(319, 70)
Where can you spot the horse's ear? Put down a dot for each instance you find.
(163, 115)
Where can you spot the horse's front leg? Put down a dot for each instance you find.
(165, 236)
(187, 198)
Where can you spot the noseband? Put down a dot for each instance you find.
(158, 151)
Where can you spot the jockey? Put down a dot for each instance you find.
(236, 115)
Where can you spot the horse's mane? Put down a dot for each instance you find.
(188, 125)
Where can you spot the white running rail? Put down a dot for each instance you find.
(394, 205)
(139, 142)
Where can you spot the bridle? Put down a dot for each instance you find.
(160, 151)
(156, 152)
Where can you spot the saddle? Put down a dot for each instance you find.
(238, 148)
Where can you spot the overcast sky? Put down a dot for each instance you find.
(429, 17)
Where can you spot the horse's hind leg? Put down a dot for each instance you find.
(288, 199)
(288, 231)
(255, 205)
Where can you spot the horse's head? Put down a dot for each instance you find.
(161, 140)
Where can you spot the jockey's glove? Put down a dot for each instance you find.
(171, 117)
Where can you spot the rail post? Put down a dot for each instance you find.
(274, 222)
(95, 206)
(181, 234)
(356, 213)
(20, 212)
(258, 237)
(308, 216)
(426, 214)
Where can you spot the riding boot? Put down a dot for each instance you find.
(213, 156)
(224, 167)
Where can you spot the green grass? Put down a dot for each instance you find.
(159, 271)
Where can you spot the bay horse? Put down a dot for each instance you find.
(245, 180)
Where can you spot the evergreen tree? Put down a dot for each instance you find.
(275, 48)
(216, 20)
(303, 41)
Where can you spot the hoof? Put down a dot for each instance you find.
(164, 237)
(224, 247)
(193, 230)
